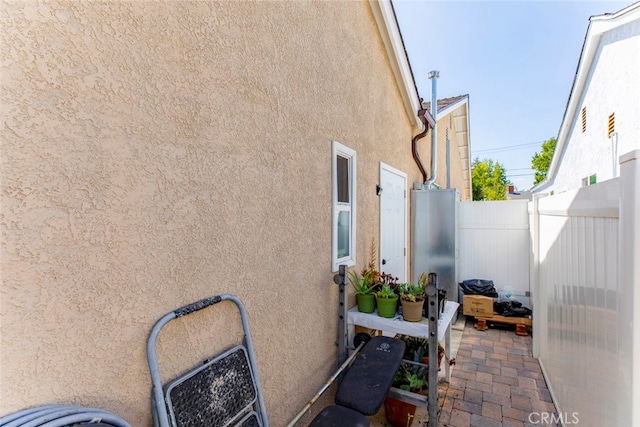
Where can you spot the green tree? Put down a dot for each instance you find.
(488, 180)
(541, 161)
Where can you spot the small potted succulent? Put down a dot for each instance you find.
(387, 301)
(412, 300)
(409, 377)
(415, 345)
(364, 290)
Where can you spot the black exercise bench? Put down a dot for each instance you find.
(365, 384)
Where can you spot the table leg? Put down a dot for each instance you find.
(447, 353)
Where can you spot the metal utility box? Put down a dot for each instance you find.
(434, 237)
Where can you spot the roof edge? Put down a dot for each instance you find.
(463, 99)
(598, 25)
(390, 32)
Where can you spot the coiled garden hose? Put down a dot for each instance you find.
(61, 416)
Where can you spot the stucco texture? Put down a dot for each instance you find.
(156, 153)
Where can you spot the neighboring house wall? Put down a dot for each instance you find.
(611, 87)
(455, 125)
(157, 153)
(452, 124)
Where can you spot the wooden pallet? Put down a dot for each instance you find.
(520, 322)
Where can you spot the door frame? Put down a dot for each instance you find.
(388, 168)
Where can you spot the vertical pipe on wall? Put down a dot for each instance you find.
(448, 149)
(433, 76)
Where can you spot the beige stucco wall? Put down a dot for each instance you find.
(447, 124)
(456, 174)
(155, 153)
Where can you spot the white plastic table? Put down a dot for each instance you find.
(396, 325)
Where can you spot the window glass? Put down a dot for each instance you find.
(344, 225)
(344, 207)
(343, 179)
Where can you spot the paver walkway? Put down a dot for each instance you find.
(495, 382)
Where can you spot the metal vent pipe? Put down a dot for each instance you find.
(433, 76)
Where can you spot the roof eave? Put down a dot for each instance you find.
(598, 25)
(392, 39)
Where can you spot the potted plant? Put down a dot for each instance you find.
(412, 377)
(372, 262)
(364, 290)
(416, 345)
(412, 300)
(409, 377)
(387, 301)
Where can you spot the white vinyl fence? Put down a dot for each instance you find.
(586, 294)
(494, 244)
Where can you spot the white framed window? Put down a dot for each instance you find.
(589, 180)
(343, 160)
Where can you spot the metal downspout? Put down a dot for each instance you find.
(414, 143)
(433, 76)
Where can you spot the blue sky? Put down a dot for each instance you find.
(515, 59)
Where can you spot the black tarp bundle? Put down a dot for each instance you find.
(478, 287)
(511, 308)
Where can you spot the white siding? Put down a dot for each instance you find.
(613, 86)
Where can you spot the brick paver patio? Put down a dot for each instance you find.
(496, 382)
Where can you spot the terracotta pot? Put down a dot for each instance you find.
(399, 413)
(412, 311)
(425, 359)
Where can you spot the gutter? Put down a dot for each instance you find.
(428, 122)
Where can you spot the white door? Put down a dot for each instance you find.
(393, 222)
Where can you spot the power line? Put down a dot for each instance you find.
(509, 147)
(520, 116)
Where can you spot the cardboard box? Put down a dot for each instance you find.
(477, 305)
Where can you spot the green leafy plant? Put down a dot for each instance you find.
(386, 292)
(414, 345)
(489, 180)
(411, 292)
(411, 377)
(423, 280)
(362, 285)
(417, 345)
(540, 162)
(413, 381)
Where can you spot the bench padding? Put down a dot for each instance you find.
(367, 382)
(338, 416)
